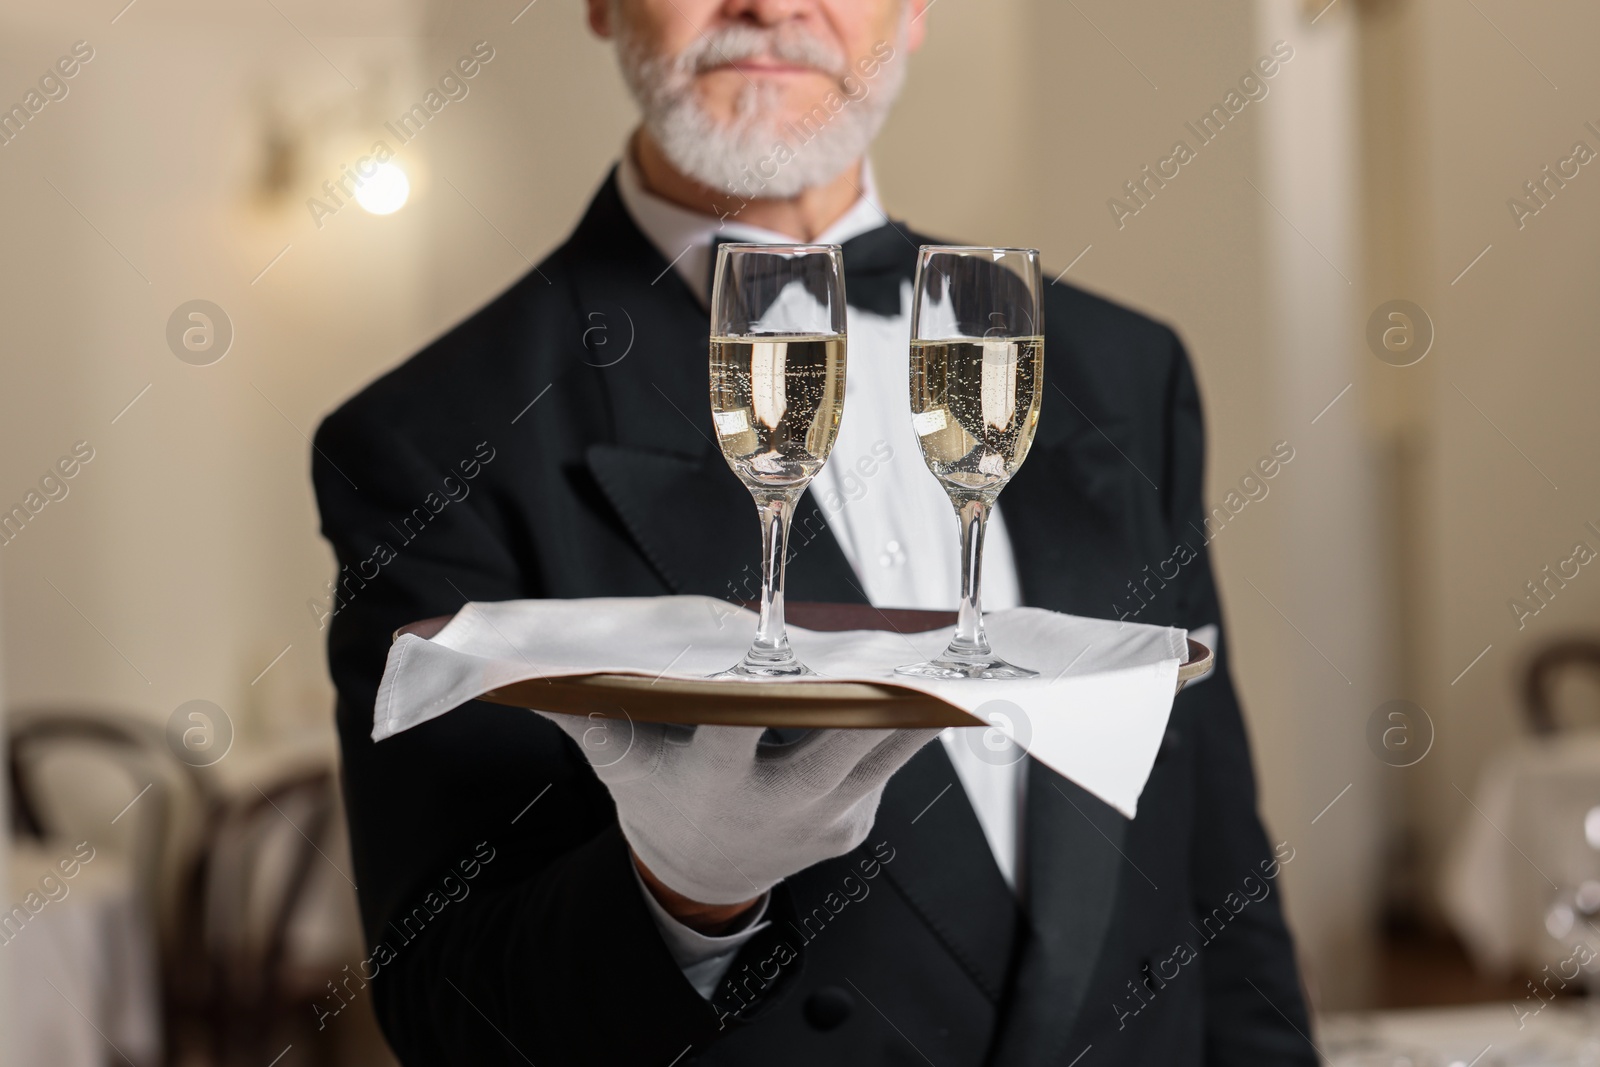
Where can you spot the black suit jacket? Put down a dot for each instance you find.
(557, 444)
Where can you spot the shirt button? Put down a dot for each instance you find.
(893, 555)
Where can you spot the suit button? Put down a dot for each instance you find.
(828, 1007)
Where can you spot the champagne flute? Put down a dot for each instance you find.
(777, 391)
(977, 369)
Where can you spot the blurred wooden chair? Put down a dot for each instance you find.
(1544, 671)
(110, 779)
(265, 846)
(225, 871)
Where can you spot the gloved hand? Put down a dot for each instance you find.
(720, 818)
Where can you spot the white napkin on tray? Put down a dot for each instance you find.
(1096, 713)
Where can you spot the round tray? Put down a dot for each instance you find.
(731, 702)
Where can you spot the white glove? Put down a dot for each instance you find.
(721, 820)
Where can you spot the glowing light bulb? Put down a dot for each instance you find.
(1591, 827)
(385, 192)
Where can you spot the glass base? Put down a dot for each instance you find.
(950, 667)
(757, 666)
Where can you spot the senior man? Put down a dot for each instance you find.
(536, 890)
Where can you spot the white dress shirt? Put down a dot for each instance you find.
(893, 522)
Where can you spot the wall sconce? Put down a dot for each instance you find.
(319, 155)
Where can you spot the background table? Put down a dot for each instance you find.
(1521, 885)
(1487, 1035)
(83, 979)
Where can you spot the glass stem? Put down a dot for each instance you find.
(969, 639)
(771, 644)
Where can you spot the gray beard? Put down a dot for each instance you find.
(755, 155)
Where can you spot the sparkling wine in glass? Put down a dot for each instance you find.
(777, 392)
(977, 369)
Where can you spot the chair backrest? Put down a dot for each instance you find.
(265, 845)
(229, 872)
(268, 845)
(1539, 679)
(111, 779)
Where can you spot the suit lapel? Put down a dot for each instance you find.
(1070, 536)
(1084, 521)
(944, 868)
(696, 526)
(662, 471)
(1074, 866)
(658, 391)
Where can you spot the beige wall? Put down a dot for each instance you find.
(184, 553)
(1503, 492)
(184, 556)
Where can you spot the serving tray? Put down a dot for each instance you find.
(733, 702)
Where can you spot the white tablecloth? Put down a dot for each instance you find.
(1521, 883)
(1482, 1035)
(82, 969)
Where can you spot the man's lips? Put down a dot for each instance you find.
(767, 67)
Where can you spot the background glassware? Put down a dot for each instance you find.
(777, 393)
(977, 369)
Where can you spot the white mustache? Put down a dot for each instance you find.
(730, 44)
